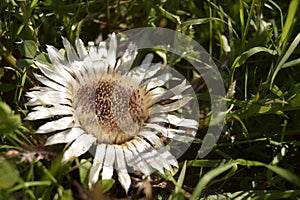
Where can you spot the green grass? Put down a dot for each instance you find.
(257, 155)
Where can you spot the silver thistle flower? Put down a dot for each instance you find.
(118, 114)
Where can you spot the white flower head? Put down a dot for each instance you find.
(121, 115)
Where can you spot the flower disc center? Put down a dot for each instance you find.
(119, 110)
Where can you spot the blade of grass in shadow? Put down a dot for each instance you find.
(30, 184)
(240, 60)
(181, 178)
(206, 163)
(225, 18)
(280, 12)
(193, 22)
(252, 108)
(285, 174)
(178, 192)
(210, 176)
(210, 31)
(219, 9)
(288, 26)
(256, 194)
(244, 128)
(54, 174)
(27, 9)
(284, 58)
(291, 63)
(242, 17)
(174, 18)
(245, 32)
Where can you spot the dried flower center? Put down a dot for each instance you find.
(119, 110)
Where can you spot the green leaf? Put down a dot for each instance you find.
(22, 63)
(9, 175)
(43, 58)
(8, 121)
(106, 185)
(252, 108)
(295, 102)
(67, 195)
(84, 171)
(28, 49)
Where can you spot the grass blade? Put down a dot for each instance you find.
(285, 57)
(181, 178)
(256, 194)
(240, 60)
(287, 175)
(208, 177)
(287, 29)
